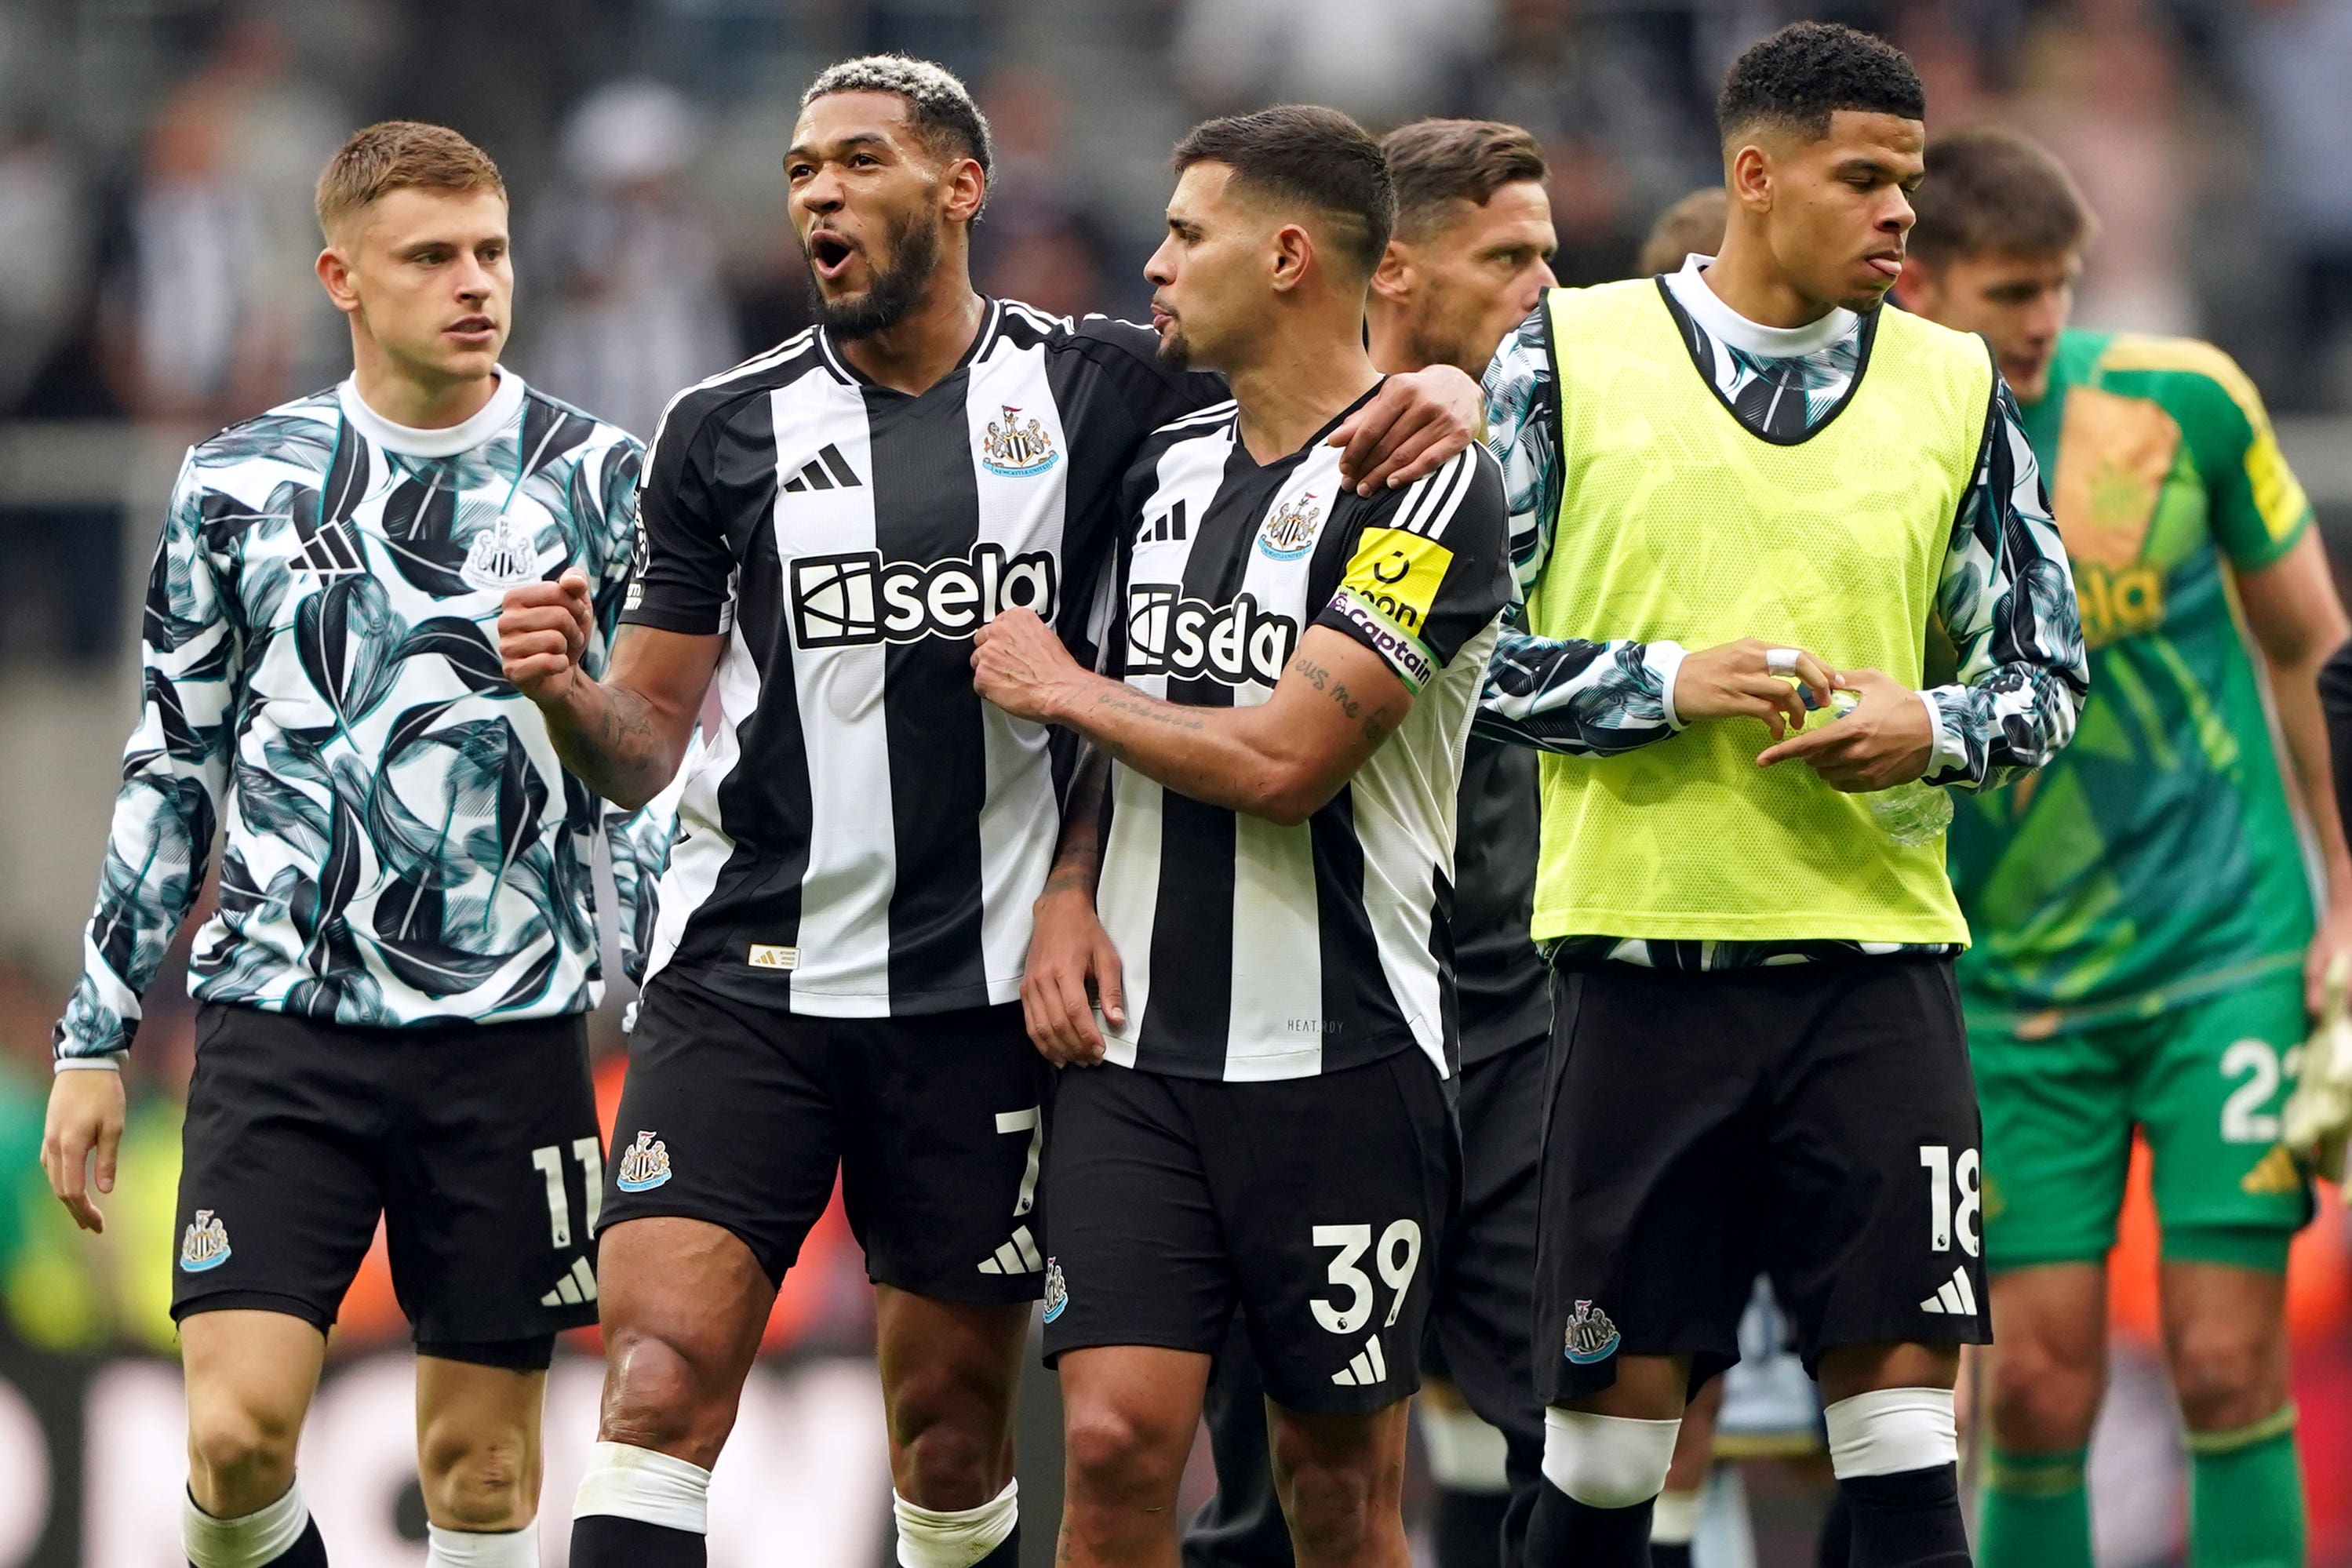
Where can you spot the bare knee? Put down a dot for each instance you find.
(1340, 1478)
(478, 1480)
(1119, 1456)
(2226, 1374)
(2044, 1401)
(240, 1456)
(662, 1394)
(950, 1431)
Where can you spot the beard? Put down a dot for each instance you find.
(1175, 351)
(915, 255)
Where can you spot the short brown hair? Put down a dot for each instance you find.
(1436, 163)
(1692, 226)
(1308, 155)
(397, 155)
(1991, 190)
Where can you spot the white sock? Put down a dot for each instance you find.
(1464, 1453)
(248, 1542)
(654, 1488)
(1674, 1518)
(1607, 1461)
(933, 1538)
(1891, 1431)
(482, 1548)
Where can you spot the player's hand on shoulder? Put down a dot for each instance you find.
(1018, 663)
(1884, 740)
(1072, 964)
(543, 630)
(1750, 679)
(1412, 423)
(81, 1139)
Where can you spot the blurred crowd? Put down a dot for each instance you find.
(156, 157)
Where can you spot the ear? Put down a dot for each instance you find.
(967, 189)
(334, 269)
(1394, 278)
(1293, 255)
(1750, 177)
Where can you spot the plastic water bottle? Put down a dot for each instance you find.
(1912, 814)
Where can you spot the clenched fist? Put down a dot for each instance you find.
(1019, 665)
(543, 632)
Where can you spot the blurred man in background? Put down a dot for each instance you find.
(393, 986)
(2145, 955)
(1466, 262)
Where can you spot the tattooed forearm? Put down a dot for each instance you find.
(609, 736)
(1086, 819)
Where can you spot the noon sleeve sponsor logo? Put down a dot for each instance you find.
(1399, 574)
(852, 601)
(1191, 639)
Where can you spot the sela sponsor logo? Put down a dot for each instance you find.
(204, 1244)
(1016, 448)
(852, 601)
(1289, 533)
(1057, 1294)
(1191, 639)
(644, 1165)
(501, 556)
(1591, 1335)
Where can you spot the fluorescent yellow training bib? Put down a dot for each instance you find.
(1676, 522)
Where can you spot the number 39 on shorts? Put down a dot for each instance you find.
(1396, 1258)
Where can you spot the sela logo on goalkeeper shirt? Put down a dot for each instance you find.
(1591, 1335)
(644, 1165)
(851, 600)
(204, 1244)
(1191, 639)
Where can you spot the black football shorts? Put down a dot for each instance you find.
(476, 1144)
(1815, 1122)
(1314, 1205)
(742, 1115)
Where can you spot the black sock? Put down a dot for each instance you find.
(1566, 1533)
(1835, 1548)
(608, 1541)
(309, 1551)
(1466, 1528)
(1007, 1553)
(1670, 1554)
(1908, 1520)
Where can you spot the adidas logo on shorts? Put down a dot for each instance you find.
(1369, 1367)
(573, 1288)
(1955, 1297)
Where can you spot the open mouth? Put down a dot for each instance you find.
(830, 254)
(1888, 264)
(474, 329)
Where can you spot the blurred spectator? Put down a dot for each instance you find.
(639, 310)
(2101, 90)
(2299, 79)
(1384, 61)
(44, 244)
(1039, 241)
(210, 313)
(1620, 123)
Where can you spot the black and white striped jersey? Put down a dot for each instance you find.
(1251, 950)
(865, 836)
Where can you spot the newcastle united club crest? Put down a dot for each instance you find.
(204, 1244)
(1591, 1335)
(1016, 448)
(1290, 532)
(644, 1165)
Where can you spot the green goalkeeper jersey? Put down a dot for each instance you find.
(2157, 858)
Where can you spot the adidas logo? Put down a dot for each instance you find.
(2274, 1172)
(1018, 1256)
(578, 1286)
(1168, 526)
(1955, 1297)
(329, 551)
(1369, 1367)
(828, 470)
